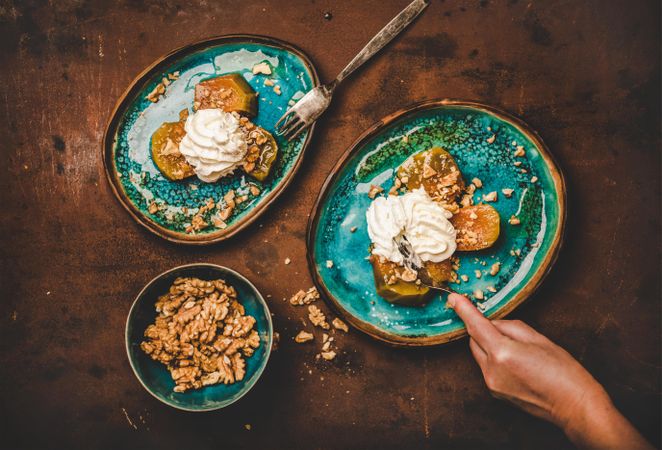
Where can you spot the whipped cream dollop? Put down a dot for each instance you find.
(423, 221)
(214, 143)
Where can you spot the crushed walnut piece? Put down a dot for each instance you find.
(495, 268)
(507, 192)
(478, 273)
(262, 68)
(329, 355)
(317, 317)
(519, 152)
(303, 336)
(491, 139)
(353, 229)
(269, 82)
(534, 179)
(201, 333)
(478, 294)
(517, 163)
(329, 264)
(305, 297)
(407, 275)
(492, 289)
(374, 190)
(514, 220)
(340, 325)
(277, 90)
(477, 182)
(153, 208)
(491, 197)
(464, 278)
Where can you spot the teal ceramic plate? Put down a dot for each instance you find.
(483, 141)
(155, 377)
(135, 179)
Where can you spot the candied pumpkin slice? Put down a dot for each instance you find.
(165, 149)
(261, 155)
(435, 170)
(228, 92)
(477, 227)
(395, 290)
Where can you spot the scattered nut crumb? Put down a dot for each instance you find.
(477, 183)
(428, 172)
(153, 208)
(303, 336)
(495, 268)
(517, 163)
(340, 325)
(287, 261)
(519, 151)
(491, 139)
(328, 355)
(353, 229)
(464, 278)
(317, 317)
(514, 220)
(491, 197)
(492, 289)
(478, 273)
(248, 426)
(478, 294)
(329, 264)
(262, 68)
(508, 192)
(255, 190)
(305, 297)
(277, 90)
(534, 179)
(269, 82)
(374, 190)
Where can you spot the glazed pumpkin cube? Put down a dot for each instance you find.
(395, 290)
(261, 155)
(435, 170)
(477, 227)
(231, 93)
(165, 150)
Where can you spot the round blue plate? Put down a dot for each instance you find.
(155, 377)
(137, 182)
(483, 141)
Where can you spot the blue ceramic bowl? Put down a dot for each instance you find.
(155, 377)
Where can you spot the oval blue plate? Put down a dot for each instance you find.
(483, 141)
(137, 182)
(155, 377)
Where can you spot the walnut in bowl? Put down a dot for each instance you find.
(199, 336)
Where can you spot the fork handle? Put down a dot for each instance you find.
(386, 35)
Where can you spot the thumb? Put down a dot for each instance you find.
(479, 328)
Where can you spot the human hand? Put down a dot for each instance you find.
(525, 368)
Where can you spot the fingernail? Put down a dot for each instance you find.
(450, 303)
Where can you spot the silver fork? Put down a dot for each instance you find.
(306, 111)
(414, 263)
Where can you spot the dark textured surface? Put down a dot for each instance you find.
(584, 74)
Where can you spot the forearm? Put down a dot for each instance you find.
(597, 424)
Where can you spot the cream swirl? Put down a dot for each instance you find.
(424, 222)
(214, 144)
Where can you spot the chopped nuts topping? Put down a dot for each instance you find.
(269, 82)
(407, 275)
(534, 179)
(478, 294)
(495, 268)
(428, 171)
(303, 336)
(519, 152)
(329, 263)
(491, 289)
(514, 220)
(374, 190)
(507, 192)
(201, 333)
(277, 90)
(254, 190)
(477, 183)
(153, 208)
(478, 273)
(491, 139)
(353, 229)
(287, 261)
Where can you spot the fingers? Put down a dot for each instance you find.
(517, 330)
(479, 354)
(479, 328)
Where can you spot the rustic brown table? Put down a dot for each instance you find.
(585, 74)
